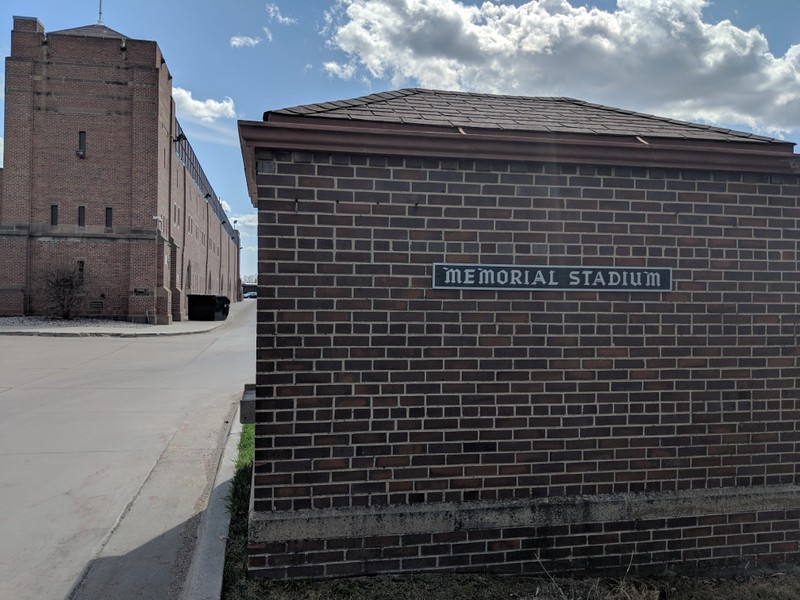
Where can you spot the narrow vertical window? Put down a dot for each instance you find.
(80, 269)
(53, 215)
(81, 216)
(109, 216)
(81, 152)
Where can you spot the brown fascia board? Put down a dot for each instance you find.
(319, 134)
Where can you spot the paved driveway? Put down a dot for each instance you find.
(108, 450)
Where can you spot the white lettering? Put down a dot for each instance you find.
(452, 276)
(653, 280)
(526, 277)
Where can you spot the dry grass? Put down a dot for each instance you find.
(447, 587)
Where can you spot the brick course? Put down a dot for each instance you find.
(376, 391)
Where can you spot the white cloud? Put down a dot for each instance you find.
(246, 223)
(204, 111)
(247, 226)
(342, 71)
(225, 206)
(275, 15)
(244, 41)
(653, 55)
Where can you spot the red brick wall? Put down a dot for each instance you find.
(378, 395)
(120, 94)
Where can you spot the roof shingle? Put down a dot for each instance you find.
(512, 113)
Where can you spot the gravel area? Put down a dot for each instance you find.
(20, 322)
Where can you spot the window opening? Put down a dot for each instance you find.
(81, 151)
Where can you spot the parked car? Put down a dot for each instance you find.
(249, 295)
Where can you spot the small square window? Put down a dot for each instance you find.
(109, 217)
(81, 216)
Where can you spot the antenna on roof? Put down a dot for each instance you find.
(100, 18)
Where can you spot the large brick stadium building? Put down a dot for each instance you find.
(99, 177)
(506, 334)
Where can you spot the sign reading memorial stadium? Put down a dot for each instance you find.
(513, 277)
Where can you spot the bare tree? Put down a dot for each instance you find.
(63, 290)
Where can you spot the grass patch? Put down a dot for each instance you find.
(236, 585)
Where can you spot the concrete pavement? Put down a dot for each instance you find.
(109, 449)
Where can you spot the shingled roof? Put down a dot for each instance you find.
(511, 113)
(431, 123)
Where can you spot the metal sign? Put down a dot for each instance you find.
(540, 278)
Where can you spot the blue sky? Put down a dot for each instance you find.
(733, 63)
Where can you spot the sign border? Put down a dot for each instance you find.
(667, 270)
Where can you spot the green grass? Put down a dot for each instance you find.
(236, 585)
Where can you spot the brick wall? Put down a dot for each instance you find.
(588, 429)
(119, 94)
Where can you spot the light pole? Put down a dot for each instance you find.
(157, 219)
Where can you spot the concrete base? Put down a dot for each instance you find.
(714, 531)
(444, 517)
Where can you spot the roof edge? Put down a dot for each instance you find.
(296, 133)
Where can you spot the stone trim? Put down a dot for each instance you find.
(446, 517)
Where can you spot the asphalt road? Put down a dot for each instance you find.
(108, 450)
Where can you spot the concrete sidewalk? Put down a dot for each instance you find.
(204, 580)
(126, 465)
(88, 328)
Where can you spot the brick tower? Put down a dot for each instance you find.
(99, 178)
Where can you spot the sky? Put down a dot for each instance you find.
(730, 63)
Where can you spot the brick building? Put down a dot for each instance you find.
(99, 177)
(495, 331)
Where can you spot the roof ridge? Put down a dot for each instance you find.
(93, 28)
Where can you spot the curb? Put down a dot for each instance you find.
(105, 333)
(121, 332)
(204, 580)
